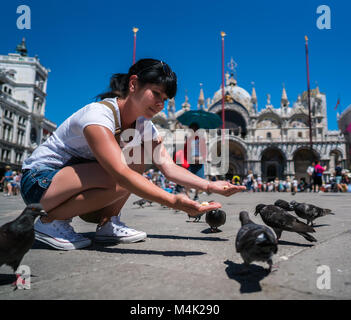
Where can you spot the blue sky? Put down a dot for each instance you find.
(85, 42)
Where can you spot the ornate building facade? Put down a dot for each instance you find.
(273, 142)
(23, 126)
(344, 123)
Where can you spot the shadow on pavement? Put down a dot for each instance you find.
(288, 243)
(250, 281)
(6, 279)
(111, 248)
(208, 231)
(320, 225)
(102, 248)
(161, 236)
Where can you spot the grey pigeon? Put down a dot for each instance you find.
(280, 220)
(284, 205)
(255, 242)
(17, 236)
(142, 202)
(309, 211)
(197, 218)
(215, 219)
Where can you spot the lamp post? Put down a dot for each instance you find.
(223, 34)
(135, 30)
(308, 93)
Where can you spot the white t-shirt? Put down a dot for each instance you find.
(67, 145)
(310, 170)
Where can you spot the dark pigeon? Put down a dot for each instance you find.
(255, 242)
(17, 236)
(280, 220)
(284, 205)
(309, 211)
(142, 202)
(215, 219)
(198, 217)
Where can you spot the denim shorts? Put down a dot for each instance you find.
(35, 182)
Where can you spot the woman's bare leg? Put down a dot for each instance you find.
(84, 188)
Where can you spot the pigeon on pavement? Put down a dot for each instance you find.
(284, 205)
(142, 202)
(309, 211)
(17, 236)
(215, 219)
(255, 242)
(198, 217)
(280, 220)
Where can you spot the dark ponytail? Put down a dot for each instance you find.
(118, 87)
(148, 71)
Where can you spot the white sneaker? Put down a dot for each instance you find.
(117, 231)
(60, 235)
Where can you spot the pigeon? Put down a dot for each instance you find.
(198, 217)
(284, 205)
(17, 236)
(255, 242)
(142, 202)
(309, 211)
(215, 219)
(280, 220)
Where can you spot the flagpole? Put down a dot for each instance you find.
(135, 30)
(223, 115)
(308, 93)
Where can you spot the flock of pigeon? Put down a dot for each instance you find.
(257, 242)
(254, 242)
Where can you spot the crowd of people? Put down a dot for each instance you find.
(339, 181)
(10, 182)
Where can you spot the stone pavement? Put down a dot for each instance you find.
(181, 260)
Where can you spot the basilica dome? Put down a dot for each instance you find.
(233, 91)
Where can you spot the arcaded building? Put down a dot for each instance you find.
(23, 126)
(273, 142)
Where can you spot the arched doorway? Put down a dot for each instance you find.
(236, 155)
(335, 157)
(303, 158)
(273, 164)
(235, 121)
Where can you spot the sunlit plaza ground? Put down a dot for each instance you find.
(180, 259)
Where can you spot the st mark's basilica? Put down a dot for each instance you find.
(273, 142)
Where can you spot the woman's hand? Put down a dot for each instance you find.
(193, 208)
(224, 188)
